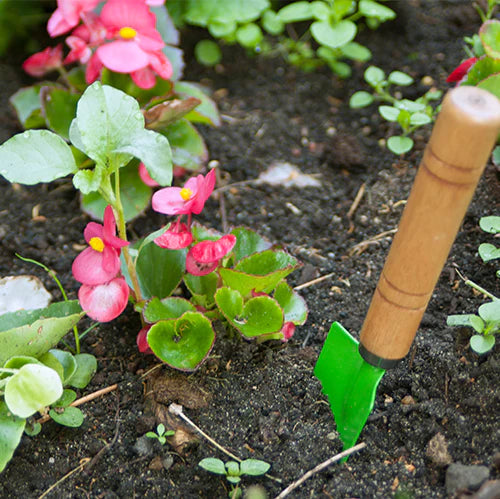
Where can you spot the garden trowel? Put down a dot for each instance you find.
(454, 159)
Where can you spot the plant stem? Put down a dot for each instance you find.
(475, 286)
(122, 232)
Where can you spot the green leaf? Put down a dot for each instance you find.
(293, 305)
(31, 389)
(182, 343)
(460, 320)
(296, 11)
(35, 332)
(67, 361)
(59, 107)
(134, 193)
(419, 119)
(400, 78)
(490, 312)
(206, 112)
(496, 156)
(86, 367)
(87, 181)
(490, 224)
(248, 242)
(399, 145)
(213, 465)
(410, 106)
(333, 36)
(51, 361)
(26, 103)
(320, 10)
(482, 69)
(260, 315)
(157, 310)
(254, 467)
(207, 52)
(482, 344)
(188, 147)
(369, 8)
(159, 270)
(35, 156)
(492, 84)
(242, 11)
(490, 38)
(374, 76)
(233, 469)
(259, 272)
(203, 287)
(67, 397)
(70, 416)
(356, 52)
(249, 35)
(19, 361)
(341, 69)
(11, 431)
(488, 252)
(360, 99)
(272, 23)
(477, 323)
(389, 113)
(233, 479)
(222, 29)
(168, 112)
(32, 429)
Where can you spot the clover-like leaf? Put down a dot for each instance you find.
(86, 367)
(488, 252)
(490, 312)
(182, 343)
(360, 99)
(399, 144)
(293, 305)
(69, 416)
(490, 224)
(482, 344)
(157, 310)
(333, 36)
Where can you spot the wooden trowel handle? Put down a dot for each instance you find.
(454, 159)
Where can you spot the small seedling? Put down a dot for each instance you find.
(234, 470)
(161, 434)
(487, 322)
(408, 114)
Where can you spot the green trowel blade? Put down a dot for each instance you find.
(349, 382)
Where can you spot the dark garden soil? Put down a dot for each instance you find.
(263, 401)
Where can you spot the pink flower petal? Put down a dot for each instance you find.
(93, 229)
(57, 25)
(144, 78)
(79, 50)
(175, 238)
(132, 13)
(104, 302)
(211, 251)
(109, 231)
(155, 3)
(43, 62)
(205, 187)
(146, 177)
(169, 201)
(93, 70)
(88, 267)
(151, 42)
(123, 56)
(287, 330)
(142, 341)
(196, 268)
(160, 63)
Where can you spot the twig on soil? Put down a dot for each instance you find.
(473, 285)
(83, 400)
(319, 468)
(314, 281)
(80, 467)
(360, 247)
(177, 410)
(357, 200)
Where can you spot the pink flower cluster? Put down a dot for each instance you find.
(122, 38)
(104, 291)
(203, 257)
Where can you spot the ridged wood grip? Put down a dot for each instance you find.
(454, 159)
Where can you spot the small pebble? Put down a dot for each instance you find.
(461, 476)
(408, 400)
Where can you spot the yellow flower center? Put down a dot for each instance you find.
(128, 33)
(96, 243)
(186, 193)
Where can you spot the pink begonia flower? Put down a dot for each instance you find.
(100, 262)
(146, 177)
(104, 302)
(67, 15)
(461, 70)
(287, 330)
(83, 37)
(204, 257)
(176, 237)
(189, 199)
(155, 3)
(43, 62)
(142, 340)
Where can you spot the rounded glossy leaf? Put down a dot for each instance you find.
(86, 367)
(490, 312)
(272, 23)
(482, 344)
(320, 11)
(356, 51)
(293, 305)
(389, 113)
(254, 467)
(410, 106)
(31, 389)
(183, 343)
(69, 416)
(249, 35)
(59, 107)
(420, 119)
(333, 36)
(233, 469)
(219, 29)
(296, 11)
(213, 465)
(477, 323)
(19, 361)
(488, 252)
(204, 287)
(460, 320)
(369, 8)
(341, 69)
(490, 38)
(400, 78)
(169, 308)
(399, 145)
(374, 76)
(11, 431)
(67, 361)
(492, 84)
(248, 242)
(66, 398)
(360, 99)
(207, 52)
(490, 224)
